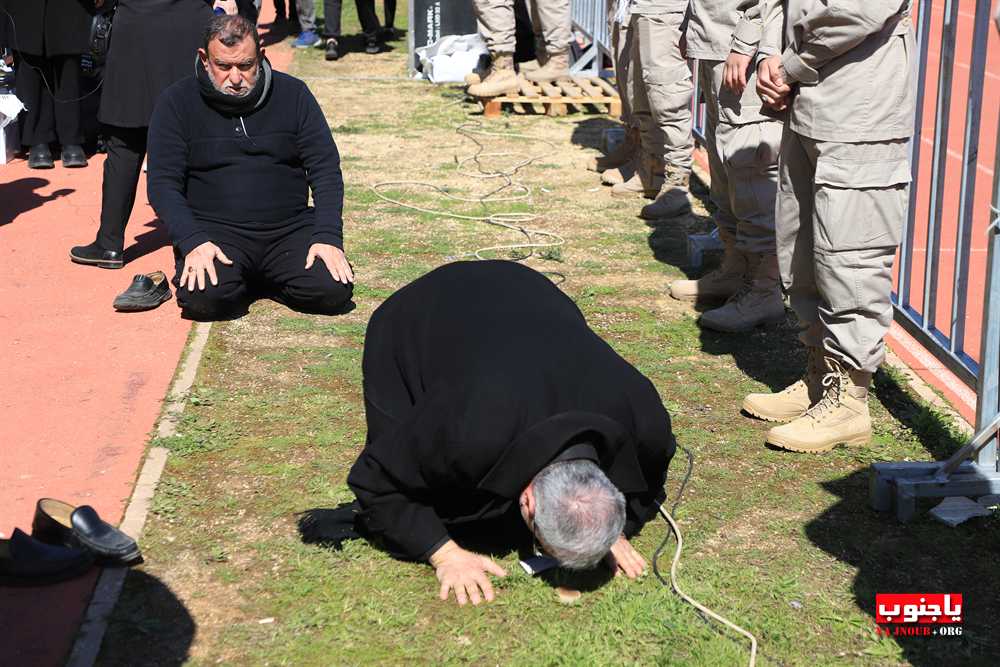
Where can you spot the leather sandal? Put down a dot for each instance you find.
(57, 522)
(26, 561)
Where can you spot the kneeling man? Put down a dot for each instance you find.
(233, 152)
(487, 396)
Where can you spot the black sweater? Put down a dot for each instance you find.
(250, 173)
(477, 376)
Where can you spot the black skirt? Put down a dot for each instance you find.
(153, 44)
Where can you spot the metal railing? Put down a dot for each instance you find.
(590, 18)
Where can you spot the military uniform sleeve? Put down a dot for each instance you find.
(832, 29)
(772, 16)
(746, 35)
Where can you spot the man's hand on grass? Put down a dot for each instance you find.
(625, 559)
(464, 572)
(334, 259)
(201, 261)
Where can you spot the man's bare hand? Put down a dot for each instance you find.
(772, 87)
(200, 261)
(625, 559)
(465, 573)
(229, 6)
(734, 72)
(774, 91)
(334, 259)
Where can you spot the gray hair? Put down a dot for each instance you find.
(579, 513)
(230, 29)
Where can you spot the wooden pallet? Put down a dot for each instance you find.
(557, 97)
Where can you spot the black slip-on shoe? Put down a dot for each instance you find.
(332, 49)
(372, 45)
(146, 292)
(73, 157)
(95, 255)
(60, 523)
(40, 157)
(25, 561)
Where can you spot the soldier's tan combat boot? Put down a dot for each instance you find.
(556, 67)
(757, 302)
(620, 156)
(792, 401)
(718, 285)
(840, 418)
(645, 182)
(501, 79)
(672, 199)
(621, 174)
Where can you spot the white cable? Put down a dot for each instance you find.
(694, 603)
(516, 191)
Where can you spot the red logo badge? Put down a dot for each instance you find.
(919, 611)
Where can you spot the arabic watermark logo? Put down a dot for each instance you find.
(919, 614)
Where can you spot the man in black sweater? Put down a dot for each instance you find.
(488, 398)
(233, 152)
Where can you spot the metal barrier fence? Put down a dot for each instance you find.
(590, 18)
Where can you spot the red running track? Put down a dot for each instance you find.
(82, 385)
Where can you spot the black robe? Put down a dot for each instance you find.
(476, 376)
(47, 27)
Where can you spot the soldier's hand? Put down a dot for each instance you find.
(772, 88)
(464, 572)
(734, 72)
(625, 559)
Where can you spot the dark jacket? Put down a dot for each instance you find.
(476, 376)
(153, 44)
(250, 173)
(48, 27)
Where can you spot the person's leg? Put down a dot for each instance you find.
(367, 16)
(667, 79)
(389, 8)
(280, 14)
(38, 120)
(497, 26)
(312, 290)
(69, 132)
(718, 285)
(860, 207)
(307, 25)
(793, 222)
(332, 10)
(227, 300)
(126, 151)
(648, 175)
(552, 19)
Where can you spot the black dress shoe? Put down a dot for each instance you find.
(40, 157)
(371, 44)
(146, 292)
(73, 156)
(25, 561)
(57, 522)
(95, 255)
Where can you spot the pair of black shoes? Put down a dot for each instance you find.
(65, 542)
(40, 157)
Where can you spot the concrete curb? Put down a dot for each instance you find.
(109, 585)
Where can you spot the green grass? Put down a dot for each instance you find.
(784, 545)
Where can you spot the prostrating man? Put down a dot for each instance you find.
(497, 26)
(233, 152)
(488, 397)
(844, 168)
(742, 145)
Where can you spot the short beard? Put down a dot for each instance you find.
(243, 93)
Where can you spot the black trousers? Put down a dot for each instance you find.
(126, 151)
(50, 116)
(269, 265)
(390, 13)
(366, 14)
